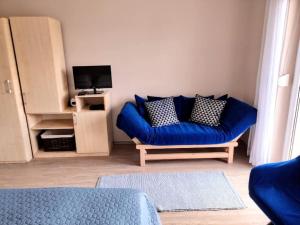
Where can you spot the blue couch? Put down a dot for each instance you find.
(236, 118)
(275, 188)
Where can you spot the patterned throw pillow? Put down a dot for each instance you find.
(162, 112)
(207, 111)
(187, 107)
(177, 102)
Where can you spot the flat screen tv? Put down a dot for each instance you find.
(92, 77)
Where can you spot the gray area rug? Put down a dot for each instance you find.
(180, 191)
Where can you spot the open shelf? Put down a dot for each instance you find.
(84, 102)
(66, 111)
(54, 124)
(91, 129)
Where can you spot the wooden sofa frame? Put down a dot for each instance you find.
(227, 153)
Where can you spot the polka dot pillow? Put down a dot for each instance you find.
(162, 112)
(207, 111)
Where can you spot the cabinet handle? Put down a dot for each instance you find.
(8, 88)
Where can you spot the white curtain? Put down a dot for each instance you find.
(274, 32)
(292, 141)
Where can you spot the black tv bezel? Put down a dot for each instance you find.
(89, 88)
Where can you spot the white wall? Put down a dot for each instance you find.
(159, 47)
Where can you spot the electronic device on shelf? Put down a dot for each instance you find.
(97, 107)
(92, 77)
(72, 102)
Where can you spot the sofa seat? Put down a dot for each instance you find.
(236, 119)
(186, 133)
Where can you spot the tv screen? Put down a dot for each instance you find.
(91, 77)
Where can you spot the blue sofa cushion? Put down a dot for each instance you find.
(237, 117)
(275, 188)
(133, 123)
(186, 133)
(223, 97)
(187, 105)
(140, 103)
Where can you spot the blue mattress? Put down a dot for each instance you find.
(76, 206)
(236, 118)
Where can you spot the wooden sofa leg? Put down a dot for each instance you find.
(230, 154)
(142, 157)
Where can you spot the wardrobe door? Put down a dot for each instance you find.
(40, 58)
(14, 137)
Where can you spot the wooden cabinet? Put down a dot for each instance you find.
(41, 64)
(14, 138)
(92, 130)
(93, 133)
(34, 94)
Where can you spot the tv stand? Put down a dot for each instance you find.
(92, 124)
(92, 127)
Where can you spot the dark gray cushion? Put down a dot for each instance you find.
(162, 112)
(207, 111)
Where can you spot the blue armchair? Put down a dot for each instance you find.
(275, 188)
